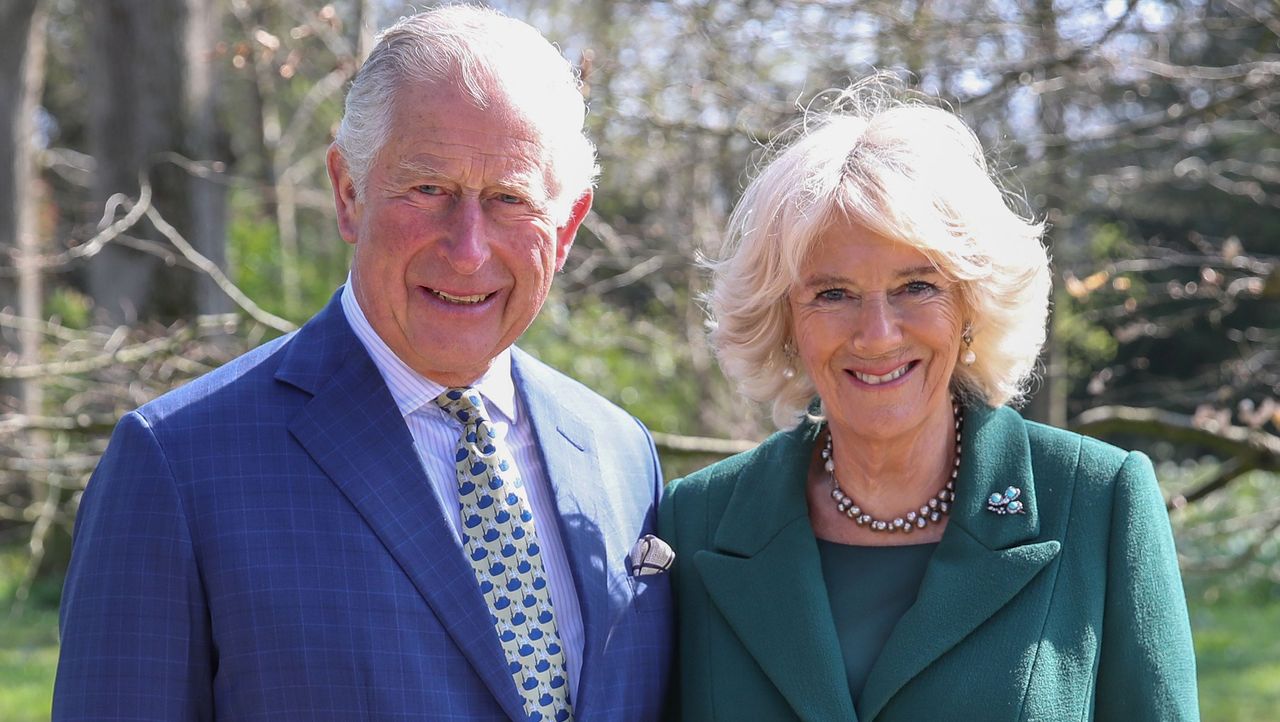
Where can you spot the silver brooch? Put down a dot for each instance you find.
(1006, 503)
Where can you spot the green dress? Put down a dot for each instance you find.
(870, 588)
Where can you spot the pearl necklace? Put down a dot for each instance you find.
(929, 512)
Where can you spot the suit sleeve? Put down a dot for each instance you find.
(134, 625)
(1146, 668)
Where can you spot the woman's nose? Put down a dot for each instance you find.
(877, 328)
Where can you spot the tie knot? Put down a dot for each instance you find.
(463, 404)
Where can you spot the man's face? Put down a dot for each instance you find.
(455, 247)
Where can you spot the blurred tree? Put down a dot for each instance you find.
(22, 54)
(152, 108)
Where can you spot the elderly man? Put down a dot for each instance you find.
(392, 513)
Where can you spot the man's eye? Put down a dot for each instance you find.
(508, 198)
(429, 190)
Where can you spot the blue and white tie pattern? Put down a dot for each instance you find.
(500, 540)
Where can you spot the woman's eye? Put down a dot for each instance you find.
(918, 287)
(833, 294)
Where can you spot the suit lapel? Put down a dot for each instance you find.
(982, 561)
(765, 577)
(570, 457)
(355, 433)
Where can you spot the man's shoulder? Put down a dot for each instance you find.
(259, 382)
(236, 382)
(541, 381)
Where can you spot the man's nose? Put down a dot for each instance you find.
(467, 246)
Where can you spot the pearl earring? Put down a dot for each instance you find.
(968, 357)
(789, 353)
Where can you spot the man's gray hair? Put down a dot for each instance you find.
(482, 52)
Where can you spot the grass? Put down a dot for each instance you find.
(1237, 651)
(28, 642)
(28, 658)
(1238, 658)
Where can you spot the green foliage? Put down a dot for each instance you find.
(1227, 539)
(69, 307)
(253, 254)
(1109, 241)
(1088, 345)
(253, 251)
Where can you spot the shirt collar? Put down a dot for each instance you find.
(410, 389)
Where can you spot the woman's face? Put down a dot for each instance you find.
(877, 328)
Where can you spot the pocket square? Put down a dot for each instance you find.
(650, 555)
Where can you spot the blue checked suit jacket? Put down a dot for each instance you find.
(263, 544)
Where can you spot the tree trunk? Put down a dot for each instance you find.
(206, 142)
(151, 94)
(22, 64)
(1049, 404)
(21, 84)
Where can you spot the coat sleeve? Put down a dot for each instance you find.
(134, 625)
(1146, 668)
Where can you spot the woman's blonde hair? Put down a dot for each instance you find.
(904, 168)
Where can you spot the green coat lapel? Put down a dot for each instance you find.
(982, 561)
(765, 577)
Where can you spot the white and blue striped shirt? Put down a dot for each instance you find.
(435, 437)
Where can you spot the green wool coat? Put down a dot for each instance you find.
(1071, 611)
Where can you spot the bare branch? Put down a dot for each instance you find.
(1230, 440)
(635, 273)
(1013, 76)
(1228, 472)
(10, 423)
(701, 444)
(211, 269)
(1204, 72)
(126, 355)
(92, 246)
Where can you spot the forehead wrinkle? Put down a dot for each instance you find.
(479, 168)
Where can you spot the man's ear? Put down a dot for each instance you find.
(566, 233)
(345, 201)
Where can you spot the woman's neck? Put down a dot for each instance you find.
(889, 476)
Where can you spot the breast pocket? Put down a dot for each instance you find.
(651, 592)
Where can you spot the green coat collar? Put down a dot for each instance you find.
(765, 576)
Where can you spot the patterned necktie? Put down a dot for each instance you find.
(500, 540)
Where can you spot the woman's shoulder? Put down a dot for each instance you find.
(1094, 467)
(1091, 455)
(703, 494)
(726, 473)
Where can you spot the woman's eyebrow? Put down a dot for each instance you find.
(917, 271)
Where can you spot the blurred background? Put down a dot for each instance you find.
(164, 207)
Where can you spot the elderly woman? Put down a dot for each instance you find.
(908, 547)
